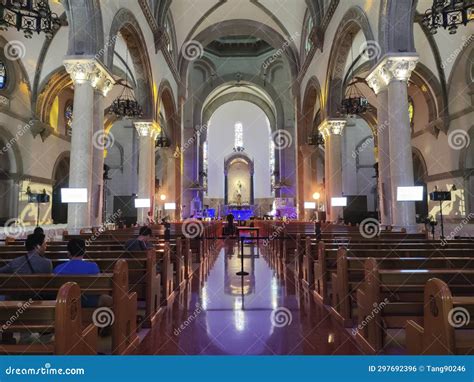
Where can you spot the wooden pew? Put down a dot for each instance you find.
(349, 275)
(62, 316)
(124, 336)
(326, 262)
(389, 298)
(446, 319)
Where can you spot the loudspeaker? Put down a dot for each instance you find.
(440, 195)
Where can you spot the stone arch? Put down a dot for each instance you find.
(311, 95)
(420, 172)
(126, 24)
(435, 97)
(210, 108)
(13, 153)
(396, 25)
(353, 21)
(86, 32)
(239, 27)
(15, 70)
(167, 100)
(60, 178)
(51, 86)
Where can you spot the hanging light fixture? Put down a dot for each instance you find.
(354, 102)
(162, 140)
(316, 139)
(448, 14)
(126, 105)
(29, 16)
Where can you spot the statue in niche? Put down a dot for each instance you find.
(239, 193)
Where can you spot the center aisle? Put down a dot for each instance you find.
(258, 314)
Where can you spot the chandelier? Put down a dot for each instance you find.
(162, 140)
(354, 102)
(126, 105)
(448, 14)
(28, 16)
(316, 139)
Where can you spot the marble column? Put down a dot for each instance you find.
(87, 74)
(379, 86)
(100, 140)
(332, 131)
(306, 183)
(392, 73)
(147, 133)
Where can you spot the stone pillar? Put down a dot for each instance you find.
(306, 183)
(147, 133)
(391, 74)
(252, 199)
(87, 74)
(100, 142)
(332, 132)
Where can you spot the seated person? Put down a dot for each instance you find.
(142, 242)
(77, 266)
(38, 231)
(230, 228)
(33, 262)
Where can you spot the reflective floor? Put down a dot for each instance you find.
(262, 313)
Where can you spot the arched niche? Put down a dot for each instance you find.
(238, 180)
(60, 179)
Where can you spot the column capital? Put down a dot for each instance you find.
(332, 126)
(147, 129)
(88, 69)
(391, 67)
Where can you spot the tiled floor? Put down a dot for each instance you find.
(261, 313)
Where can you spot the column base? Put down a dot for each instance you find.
(407, 229)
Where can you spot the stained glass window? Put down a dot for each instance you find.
(411, 109)
(169, 45)
(3, 75)
(68, 114)
(238, 135)
(308, 44)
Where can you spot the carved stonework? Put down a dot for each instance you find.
(332, 126)
(391, 67)
(147, 129)
(89, 70)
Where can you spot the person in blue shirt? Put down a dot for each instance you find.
(77, 266)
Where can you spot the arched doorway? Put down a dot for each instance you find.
(60, 180)
(420, 174)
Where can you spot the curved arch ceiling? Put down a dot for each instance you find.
(192, 17)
